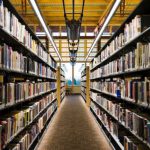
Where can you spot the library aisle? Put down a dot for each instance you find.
(74, 128)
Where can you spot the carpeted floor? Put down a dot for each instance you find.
(74, 128)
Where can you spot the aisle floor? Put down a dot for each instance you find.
(74, 128)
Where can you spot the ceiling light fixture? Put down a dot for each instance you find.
(46, 29)
(111, 13)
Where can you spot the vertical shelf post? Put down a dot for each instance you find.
(58, 86)
(88, 86)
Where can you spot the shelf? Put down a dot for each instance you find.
(115, 141)
(95, 90)
(39, 135)
(122, 50)
(61, 93)
(83, 86)
(83, 75)
(108, 113)
(62, 86)
(30, 124)
(62, 75)
(62, 98)
(52, 67)
(122, 99)
(10, 40)
(18, 73)
(141, 9)
(62, 69)
(83, 98)
(21, 20)
(83, 92)
(19, 103)
(83, 81)
(137, 72)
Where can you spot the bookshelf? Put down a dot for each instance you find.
(28, 90)
(63, 82)
(120, 83)
(85, 85)
(60, 85)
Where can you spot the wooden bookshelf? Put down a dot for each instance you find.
(105, 59)
(60, 85)
(112, 138)
(143, 107)
(141, 9)
(46, 95)
(20, 132)
(85, 84)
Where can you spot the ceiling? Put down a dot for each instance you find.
(94, 13)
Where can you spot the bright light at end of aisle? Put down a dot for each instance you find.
(77, 72)
(110, 15)
(46, 29)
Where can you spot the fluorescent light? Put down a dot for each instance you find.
(40, 34)
(46, 29)
(111, 13)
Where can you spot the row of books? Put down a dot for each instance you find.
(83, 78)
(83, 84)
(83, 95)
(131, 30)
(137, 58)
(62, 95)
(27, 139)
(133, 89)
(13, 60)
(96, 61)
(111, 126)
(62, 78)
(131, 143)
(95, 85)
(11, 93)
(62, 84)
(83, 90)
(137, 124)
(14, 122)
(96, 73)
(62, 72)
(83, 72)
(40, 69)
(11, 24)
(62, 89)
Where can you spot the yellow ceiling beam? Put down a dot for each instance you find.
(60, 10)
(69, 2)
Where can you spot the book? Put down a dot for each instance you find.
(131, 143)
(12, 25)
(10, 87)
(136, 123)
(12, 93)
(17, 120)
(2, 95)
(134, 89)
(1, 137)
(1, 14)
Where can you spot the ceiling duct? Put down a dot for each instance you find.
(73, 28)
